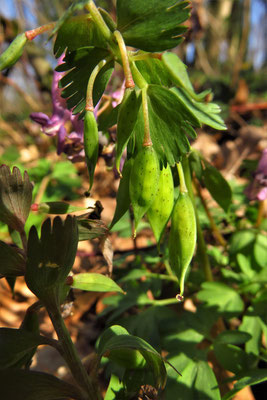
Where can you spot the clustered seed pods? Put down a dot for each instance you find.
(90, 143)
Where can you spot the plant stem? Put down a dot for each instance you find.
(260, 213)
(98, 20)
(30, 35)
(147, 140)
(89, 105)
(164, 302)
(129, 83)
(202, 248)
(71, 356)
(136, 56)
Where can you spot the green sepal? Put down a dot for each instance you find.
(93, 282)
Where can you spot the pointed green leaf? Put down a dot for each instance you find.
(206, 385)
(12, 263)
(90, 228)
(152, 25)
(177, 71)
(32, 385)
(252, 325)
(123, 196)
(77, 32)
(15, 197)
(51, 257)
(206, 113)
(154, 71)
(80, 64)
(15, 344)
(248, 378)
(95, 283)
(218, 187)
(127, 117)
(168, 123)
(115, 342)
(115, 387)
(232, 358)
(222, 297)
(58, 207)
(233, 337)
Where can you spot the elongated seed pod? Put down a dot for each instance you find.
(90, 143)
(13, 52)
(160, 210)
(144, 181)
(182, 240)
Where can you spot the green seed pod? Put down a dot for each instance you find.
(123, 196)
(126, 120)
(13, 52)
(90, 143)
(144, 181)
(159, 212)
(182, 240)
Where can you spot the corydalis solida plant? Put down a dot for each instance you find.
(158, 113)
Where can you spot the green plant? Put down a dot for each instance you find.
(159, 110)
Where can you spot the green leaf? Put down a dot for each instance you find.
(15, 344)
(117, 341)
(127, 117)
(154, 71)
(205, 385)
(177, 71)
(231, 357)
(225, 299)
(32, 385)
(248, 378)
(241, 241)
(217, 186)
(75, 6)
(115, 387)
(252, 325)
(233, 337)
(81, 63)
(168, 121)
(206, 113)
(12, 263)
(58, 207)
(77, 32)
(152, 25)
(15, 197)
(197, 382)
(51, 257)
(90, 228)
(123, 197)
(259, 250)
(95, 283)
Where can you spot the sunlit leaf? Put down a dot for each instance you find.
(93, 282)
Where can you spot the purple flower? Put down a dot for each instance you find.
(55, 125)
(257, 189)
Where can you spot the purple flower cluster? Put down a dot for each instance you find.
(257, 189)
(71, 144)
